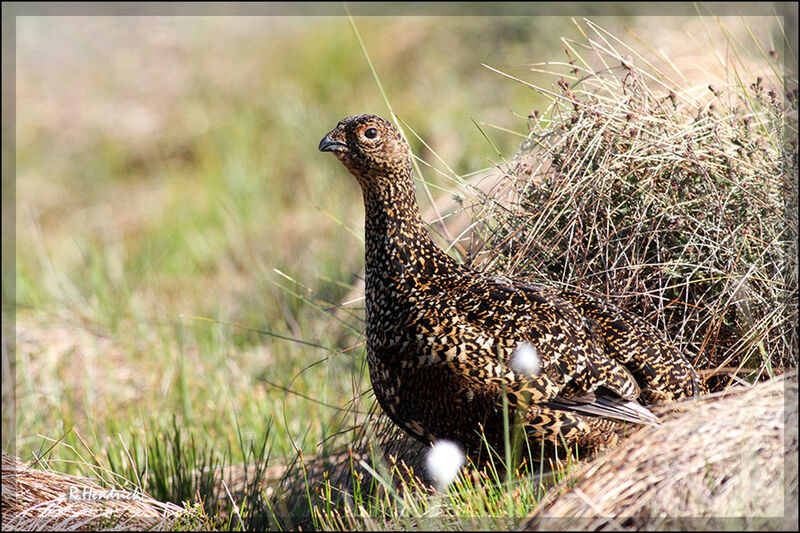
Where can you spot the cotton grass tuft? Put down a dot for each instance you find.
(444, 461)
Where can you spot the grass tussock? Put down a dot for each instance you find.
(40, 499)
(674, 200)
(727, 455)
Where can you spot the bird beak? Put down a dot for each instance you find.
(331, 145)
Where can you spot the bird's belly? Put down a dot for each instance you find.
(432, 402)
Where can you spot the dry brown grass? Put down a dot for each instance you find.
(35, 499)
(722, 461)
(677, 201)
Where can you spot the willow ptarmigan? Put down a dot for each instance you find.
(441, 337)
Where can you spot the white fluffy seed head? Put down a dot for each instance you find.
(444, 461)
(525, 360)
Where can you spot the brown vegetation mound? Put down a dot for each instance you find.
(36, 500)
(728, 460)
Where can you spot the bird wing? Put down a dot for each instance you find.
(585, 360)
(663, 371)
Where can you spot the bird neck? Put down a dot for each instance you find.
(392, 204)
(399, 250)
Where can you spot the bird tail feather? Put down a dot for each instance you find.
(606, 407)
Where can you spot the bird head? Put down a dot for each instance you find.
(371, 149)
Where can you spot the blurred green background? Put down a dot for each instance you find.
(167, 166)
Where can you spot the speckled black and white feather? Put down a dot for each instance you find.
(440, 335)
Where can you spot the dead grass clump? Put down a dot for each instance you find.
(723, 461)
(678, 202)
(35, 499)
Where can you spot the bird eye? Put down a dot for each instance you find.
(370, 133)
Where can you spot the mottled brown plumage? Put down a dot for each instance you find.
(440, 335)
